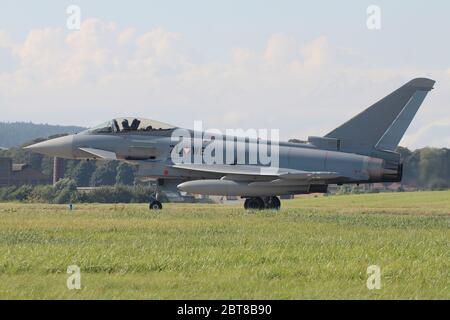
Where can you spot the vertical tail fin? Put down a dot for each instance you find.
(383, 124)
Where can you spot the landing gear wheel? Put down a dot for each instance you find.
(246, 204)
(272, 203)
(155, 205)
(254, 204)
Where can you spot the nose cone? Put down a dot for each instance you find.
(184, 187)
(59, 147)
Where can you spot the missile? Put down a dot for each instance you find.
(212, 187)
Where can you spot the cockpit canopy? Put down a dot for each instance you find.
(119, 125)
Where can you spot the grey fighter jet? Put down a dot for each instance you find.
(362, 150)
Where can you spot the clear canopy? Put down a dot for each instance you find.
(129, 125)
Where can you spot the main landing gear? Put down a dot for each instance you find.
(261, 203)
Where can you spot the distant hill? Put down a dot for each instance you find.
(15, 134)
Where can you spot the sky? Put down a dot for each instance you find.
(300, 67)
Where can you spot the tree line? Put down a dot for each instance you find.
(13, 134)
(65, 191)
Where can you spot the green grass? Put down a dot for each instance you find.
(314, 248)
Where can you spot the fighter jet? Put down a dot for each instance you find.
(362, 150)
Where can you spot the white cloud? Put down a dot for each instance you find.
(243, 56)
(316, 53)
(436, 133)
(102, 71)
(280, 49)
(5, 42)
(126, 36)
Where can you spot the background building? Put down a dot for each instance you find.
(20, 174)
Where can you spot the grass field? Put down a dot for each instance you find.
(313, 248)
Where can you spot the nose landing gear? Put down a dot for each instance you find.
(155, 204)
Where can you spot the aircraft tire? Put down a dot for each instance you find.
(272, 203)
(246, 204)
(276, 203)
(155, 205)
(254, 204)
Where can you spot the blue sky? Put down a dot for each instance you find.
(210, 49)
